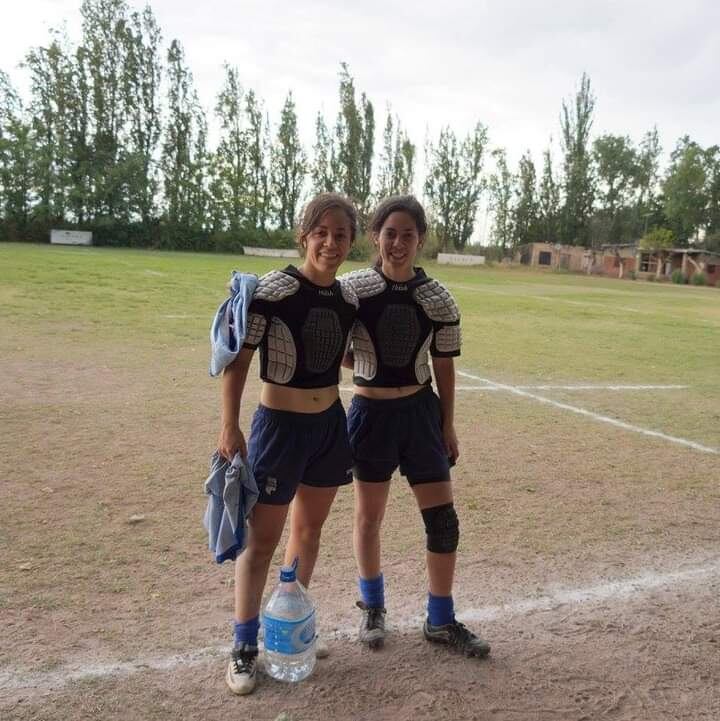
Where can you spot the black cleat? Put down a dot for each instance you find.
(372, 626)
(458, 637)
(242, 670)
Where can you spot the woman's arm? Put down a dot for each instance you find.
(231, 438)
(444, 369)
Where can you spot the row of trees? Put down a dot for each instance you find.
(101, 144)
(114, 138)
(610, 190)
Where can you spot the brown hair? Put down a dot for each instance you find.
(399, 204)
(320, 205)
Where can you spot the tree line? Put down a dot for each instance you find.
(609, 190)
(113, 138)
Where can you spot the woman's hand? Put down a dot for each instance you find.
(450, 440)
(231, 441)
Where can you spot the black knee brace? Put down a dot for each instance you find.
(442, 528)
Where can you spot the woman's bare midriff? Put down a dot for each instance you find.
(383, 394)
(298, 400)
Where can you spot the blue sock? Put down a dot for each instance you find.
(441, 610)
(372, 591)
(247, 632)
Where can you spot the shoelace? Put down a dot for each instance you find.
(375, 615)
(376, 618)
(244, 662)
(460, 634)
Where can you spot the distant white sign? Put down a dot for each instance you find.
(71, 237)
(272, 252)
(454, 259)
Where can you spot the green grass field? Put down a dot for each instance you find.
(519, 326)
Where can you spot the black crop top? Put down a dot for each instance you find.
(302, 329)
(397, 324)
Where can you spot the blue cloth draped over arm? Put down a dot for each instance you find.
(229, 325)
(230, 486)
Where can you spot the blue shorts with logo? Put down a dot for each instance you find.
(404, 432)
(287, 448)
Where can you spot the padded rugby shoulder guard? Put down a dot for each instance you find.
(366, 283)
(349, 294)
(276, 285)
(437, 302)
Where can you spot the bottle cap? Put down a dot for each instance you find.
(289, 573)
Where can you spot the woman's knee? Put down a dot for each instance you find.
(260, 547)
(257, 556)
(368, 523)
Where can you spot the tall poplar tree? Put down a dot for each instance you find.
(502, 194)
(576, 121)
(454, 183)
(323, 158)
(184, 154)
(354, 144)
(616, 162)
(396, 171)
(104, 38)
(231, 157)
(143, 74)
(16, 161)
(548, 202)
(288, 166)
(258, 160)
(526, 211)
(51, 106)
(684, 189)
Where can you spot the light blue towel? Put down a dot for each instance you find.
(231, 492)
(229, 325)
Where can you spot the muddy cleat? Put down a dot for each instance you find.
(458, 637)
(372, 626)
(242, 669)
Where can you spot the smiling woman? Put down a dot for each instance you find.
(325, 238)
(396, 420)
(298, 449)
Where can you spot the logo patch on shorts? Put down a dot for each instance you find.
(270, 485)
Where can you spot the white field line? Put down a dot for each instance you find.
(610, 591)
(17, 679)
(594, 416)
(604, 387)
(575, 387)
(350, 389)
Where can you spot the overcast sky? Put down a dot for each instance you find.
(506, 63)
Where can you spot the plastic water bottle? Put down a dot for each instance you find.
(289, 628)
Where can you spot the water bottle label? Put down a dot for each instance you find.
(289, 637)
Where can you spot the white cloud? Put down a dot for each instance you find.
(506, 63)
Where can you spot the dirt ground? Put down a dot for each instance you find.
(589, 557)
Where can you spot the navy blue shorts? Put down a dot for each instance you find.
(286, 449)
(405, 432)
